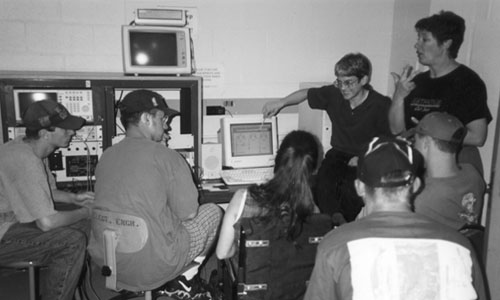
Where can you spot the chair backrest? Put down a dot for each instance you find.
(270, 266)
(475, 233)
(120, 233)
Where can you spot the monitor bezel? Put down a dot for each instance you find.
(183, 38)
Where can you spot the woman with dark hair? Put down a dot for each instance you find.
(281, 217)
(286, 197)
(447, 86)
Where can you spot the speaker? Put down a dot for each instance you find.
(211, 160)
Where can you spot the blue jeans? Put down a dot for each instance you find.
(62, 250)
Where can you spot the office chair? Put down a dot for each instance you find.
(268, 265)
(120, 233)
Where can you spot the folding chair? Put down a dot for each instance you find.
(120, 233)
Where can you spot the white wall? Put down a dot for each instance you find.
(404, 36)
(264, 48)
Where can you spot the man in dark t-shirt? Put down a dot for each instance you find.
(358, 113)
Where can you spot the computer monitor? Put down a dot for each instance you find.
(248, 141)
(77, 101)
(156, 50)
(23, 99)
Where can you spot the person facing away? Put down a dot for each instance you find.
(453, 192)
(31, 228)
(447, 86)
(285, 201)
(358, 113)
(394, 253)
(140, 176)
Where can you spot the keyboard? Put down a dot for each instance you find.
(246, 176)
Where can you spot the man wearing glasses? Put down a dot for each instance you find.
(358, 113)
(140, 176)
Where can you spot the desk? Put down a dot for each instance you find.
(217, 192)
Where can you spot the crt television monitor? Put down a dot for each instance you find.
(156, 50)
(22, 99)
(77, 102)
(248, 141)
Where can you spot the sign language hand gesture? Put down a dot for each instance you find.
(403, 82)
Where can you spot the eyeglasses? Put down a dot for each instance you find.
(346, 83)
(166, 122)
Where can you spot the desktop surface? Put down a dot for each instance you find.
(216, 191)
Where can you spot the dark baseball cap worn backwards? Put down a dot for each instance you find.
(143, 101)
(388, 162)
(442, 126)
(47, 113)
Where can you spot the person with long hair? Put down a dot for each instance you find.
(286, 197)
(282, 212)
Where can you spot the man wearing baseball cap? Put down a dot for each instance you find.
(30, 227)
(453, 193)
(393, 253)
(140, 176)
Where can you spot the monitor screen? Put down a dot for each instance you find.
(248, 141)
(153, 48)
(251, 139)
(24, 99)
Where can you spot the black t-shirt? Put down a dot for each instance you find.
(352, 128)
(460, 93)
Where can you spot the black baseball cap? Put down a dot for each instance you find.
(145, 100)
(386, 156)
(49, 113)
